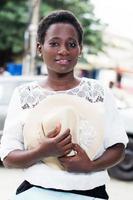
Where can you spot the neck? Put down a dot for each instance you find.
(61, 82)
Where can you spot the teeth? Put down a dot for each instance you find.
(62, 61)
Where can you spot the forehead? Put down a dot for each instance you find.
(61, 30)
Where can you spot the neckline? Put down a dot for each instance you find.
(59, 91)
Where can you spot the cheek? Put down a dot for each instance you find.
(48, 54)
(47, 50)
(76, 53)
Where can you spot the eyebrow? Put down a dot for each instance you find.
(57, 38)
(54, 38)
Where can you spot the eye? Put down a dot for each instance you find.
(72, 44)
(54, 44)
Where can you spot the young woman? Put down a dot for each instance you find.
(60, 44)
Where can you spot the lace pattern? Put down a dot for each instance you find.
(31, 94)
(86, 134)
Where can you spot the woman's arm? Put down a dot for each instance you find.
(54, 145)
(81, 162)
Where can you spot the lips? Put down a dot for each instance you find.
(63, 61)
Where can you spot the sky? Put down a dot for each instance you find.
(118, 14)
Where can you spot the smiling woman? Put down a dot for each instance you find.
(54, 103)
(63, 46)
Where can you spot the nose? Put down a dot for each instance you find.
(63, 50)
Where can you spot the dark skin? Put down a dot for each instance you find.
(81, 162)
(60, 52)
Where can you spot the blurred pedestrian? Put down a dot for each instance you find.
(3, 72)
(118, 77)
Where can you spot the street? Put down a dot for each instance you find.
(10, 179)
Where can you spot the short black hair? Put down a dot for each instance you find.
(59, 16)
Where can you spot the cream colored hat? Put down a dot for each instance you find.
(85, 120)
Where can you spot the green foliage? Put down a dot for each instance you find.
(15, 17)
(13, 20)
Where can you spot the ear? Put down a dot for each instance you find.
(39, 48)
(81, 47)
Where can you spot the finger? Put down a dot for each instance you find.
(66, 141)
(61, 137)
(77, 148)
(68, 147)
(55, 132)
(63, 159)
(68, 152)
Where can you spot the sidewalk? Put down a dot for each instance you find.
(10, 179)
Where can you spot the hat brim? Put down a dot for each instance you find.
(72, 112)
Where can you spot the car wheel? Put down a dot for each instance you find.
(124, 170)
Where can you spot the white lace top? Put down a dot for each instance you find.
(29, 95)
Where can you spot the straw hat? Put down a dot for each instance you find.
(85, 120)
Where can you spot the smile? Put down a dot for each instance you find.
(63, 61)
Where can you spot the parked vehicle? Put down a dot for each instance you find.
(124, 101)
(7, 86)
(124, 170)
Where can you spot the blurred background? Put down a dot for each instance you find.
(107, 56)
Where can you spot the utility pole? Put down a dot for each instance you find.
(30, 38)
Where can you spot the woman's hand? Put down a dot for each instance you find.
(81, 162)
(77, 163)
(56, 144)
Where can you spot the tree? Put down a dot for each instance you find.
(15, 18)
(13, 21)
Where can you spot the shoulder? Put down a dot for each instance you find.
(27, 87)
(30, 94)
(95, 89)
(93, 82)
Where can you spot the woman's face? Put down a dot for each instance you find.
(61, 49)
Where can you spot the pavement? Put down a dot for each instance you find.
(11, 178)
